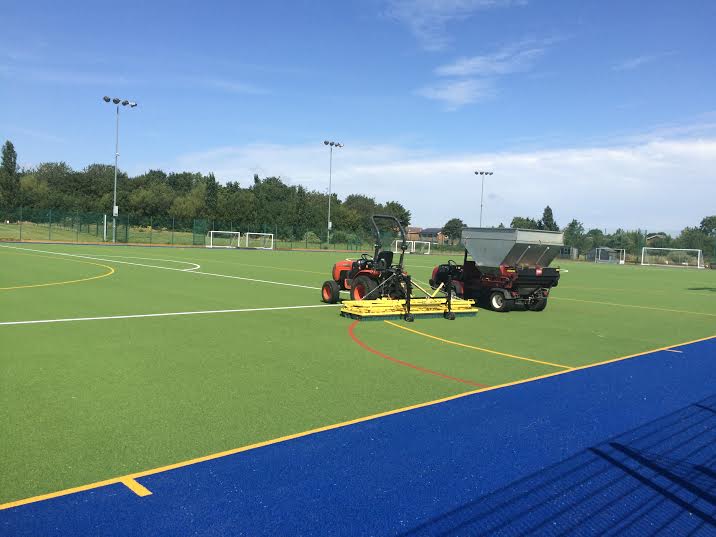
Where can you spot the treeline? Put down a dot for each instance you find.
(263, 204)
(702, 236)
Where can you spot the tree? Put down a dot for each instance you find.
(547, 221)
(524, 223)
(453, 229)
(401, 213)
(9, 158)
(708, 225)
(212, 195)
(574, 234)
(9, 178)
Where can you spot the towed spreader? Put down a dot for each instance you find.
(381, 290)
(509, 267)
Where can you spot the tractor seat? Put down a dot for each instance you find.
(384, 260)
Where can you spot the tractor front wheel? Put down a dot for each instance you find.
(363, 287)
(330, 292)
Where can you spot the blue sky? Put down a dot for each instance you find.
(605, 110)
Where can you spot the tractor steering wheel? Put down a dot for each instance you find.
(366, 257)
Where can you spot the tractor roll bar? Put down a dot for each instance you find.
(378, 244)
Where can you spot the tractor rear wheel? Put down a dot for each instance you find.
(498, 302)
(330, 292)
(363, 287)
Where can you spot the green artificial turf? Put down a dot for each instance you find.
(90, 400)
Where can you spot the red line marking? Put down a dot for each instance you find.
(408, 364)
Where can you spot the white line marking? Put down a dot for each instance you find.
(162, 268)
(672, 350)
(170, 314)
(195, 266)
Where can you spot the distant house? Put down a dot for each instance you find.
(413, 233)
(569, 252)
(433, 235)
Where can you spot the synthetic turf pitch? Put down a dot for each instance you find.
(89, 400)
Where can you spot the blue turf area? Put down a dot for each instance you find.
(627, 448)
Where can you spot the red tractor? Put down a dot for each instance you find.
(371, 277)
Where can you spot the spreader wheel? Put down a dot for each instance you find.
(498, 302)
(363, 287)
(409, 317)
(330, 292)
(537, 305)
(449, 315)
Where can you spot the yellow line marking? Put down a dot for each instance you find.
(109, 273)
(309, 432)
(634, 306)
(458, 344)
(136, 487)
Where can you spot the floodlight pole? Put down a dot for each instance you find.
(115, 210)
(482, 175)
(331, 145)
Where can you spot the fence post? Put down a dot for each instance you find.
(151, 227)
(20, 224)
(49, 231)
(172, 231)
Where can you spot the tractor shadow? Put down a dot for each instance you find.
(712, 289)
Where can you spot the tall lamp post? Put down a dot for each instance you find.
(482, 175)
(331, 145)
(115, 210)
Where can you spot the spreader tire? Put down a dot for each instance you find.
(363, 286)
(498, 302)
(449, 315)
(330, 292)
(538, 305)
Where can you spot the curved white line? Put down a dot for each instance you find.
(195, 266)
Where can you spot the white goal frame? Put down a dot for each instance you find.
(209, 243)
(621, 252)
(247, 237)
(699, 257)
(412, 246)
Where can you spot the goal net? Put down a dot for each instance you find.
(414, 247)
(222, 239)
(616, 256)
(260, 241)
(672, 257)
(421, 247)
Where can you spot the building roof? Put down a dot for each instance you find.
(431, 230)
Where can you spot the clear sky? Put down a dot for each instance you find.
(606, 110)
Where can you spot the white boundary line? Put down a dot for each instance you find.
(170, 314)
(162, 268)
(196, 266)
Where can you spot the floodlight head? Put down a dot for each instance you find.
(106, 99)
(125, 102)
(325, 142)
(333, 143)
(115, 100)
(339, 145)
(132, 104)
